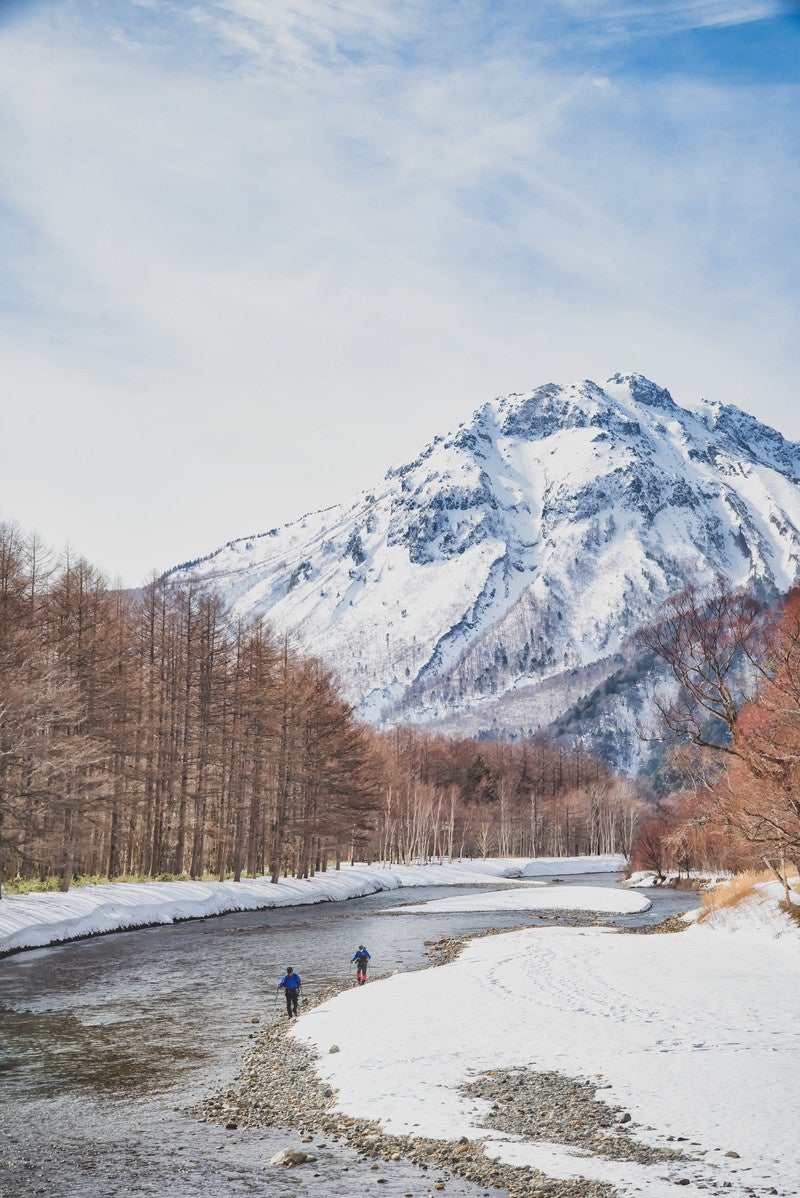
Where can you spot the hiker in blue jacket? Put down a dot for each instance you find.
(291, 985)
(361, 958)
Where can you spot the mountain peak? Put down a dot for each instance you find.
(494, 580)
(644, 391)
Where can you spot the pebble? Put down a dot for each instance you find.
(564, 1110)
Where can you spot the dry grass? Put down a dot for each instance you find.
(792, 910)
(732, 892)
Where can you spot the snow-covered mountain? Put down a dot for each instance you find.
(494, 583)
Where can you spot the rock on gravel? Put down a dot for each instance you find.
(291, 1156)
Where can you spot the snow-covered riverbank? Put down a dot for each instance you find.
(35, 920)
(695, 1034)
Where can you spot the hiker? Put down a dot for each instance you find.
(291, 985)
(361, 958)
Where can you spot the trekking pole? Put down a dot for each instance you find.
(275, 1002)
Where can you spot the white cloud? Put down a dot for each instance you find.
(623, 17)
(284, 264)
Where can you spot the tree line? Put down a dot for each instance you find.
(146, 733)
(460, 797)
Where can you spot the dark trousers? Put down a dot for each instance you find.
(291, 1000)
(361, 971)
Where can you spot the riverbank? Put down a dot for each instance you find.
(37, 920)
(557, 1059)
(280, 1087)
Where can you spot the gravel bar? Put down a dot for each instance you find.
(278, 1087)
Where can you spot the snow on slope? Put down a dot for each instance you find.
(522, 551)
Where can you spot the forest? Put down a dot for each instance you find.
(144, 733)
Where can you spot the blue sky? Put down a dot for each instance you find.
(256, 252)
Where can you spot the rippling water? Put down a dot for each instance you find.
(104, 1042)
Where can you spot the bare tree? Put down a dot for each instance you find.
(738, 671)
(710, 638)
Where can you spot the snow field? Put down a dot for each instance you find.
(696, 1034)
(599, 899)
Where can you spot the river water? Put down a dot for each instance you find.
(104, 1043)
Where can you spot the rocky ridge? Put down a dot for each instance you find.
(493, 584)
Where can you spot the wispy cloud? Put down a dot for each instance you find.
(624, 18)
(266, 228)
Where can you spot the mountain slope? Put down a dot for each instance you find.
(495, 581)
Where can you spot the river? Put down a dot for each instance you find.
(105, 1043)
